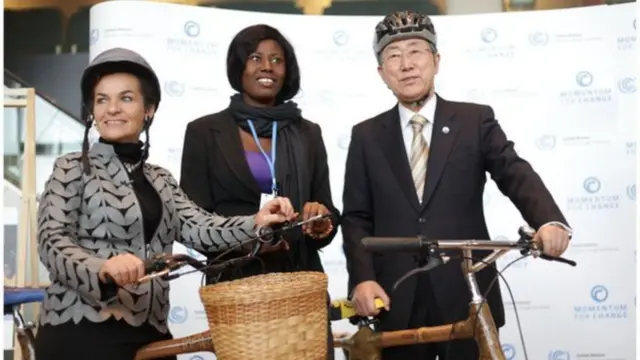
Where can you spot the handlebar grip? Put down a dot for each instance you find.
(345, 309)
(381, 244)
(153, 265)
(108, 280)
(150, 266)
(558, 259)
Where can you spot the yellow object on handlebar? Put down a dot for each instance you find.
(344, 309)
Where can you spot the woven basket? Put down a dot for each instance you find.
(278, 316)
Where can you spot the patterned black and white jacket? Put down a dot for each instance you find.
(85, 219)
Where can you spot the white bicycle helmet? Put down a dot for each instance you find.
(402, 25)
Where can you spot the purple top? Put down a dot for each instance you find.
(260, 170)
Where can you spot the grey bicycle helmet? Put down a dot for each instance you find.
(118, 60)
(402, 25)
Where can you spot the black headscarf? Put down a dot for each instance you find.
(293, 181)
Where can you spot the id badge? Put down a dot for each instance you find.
(265, 198)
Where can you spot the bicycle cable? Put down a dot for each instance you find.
(499, 275)
(258, 239)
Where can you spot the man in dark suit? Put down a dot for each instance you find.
(419, 169)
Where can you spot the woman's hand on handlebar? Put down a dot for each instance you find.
(275, 211)
(124, 269)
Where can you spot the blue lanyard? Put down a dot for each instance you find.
(270, 160)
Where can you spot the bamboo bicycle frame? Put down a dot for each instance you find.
(367, 344)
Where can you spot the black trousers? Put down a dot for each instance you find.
(109, 340)
(425, 313)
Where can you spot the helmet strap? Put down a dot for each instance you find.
(418, 104)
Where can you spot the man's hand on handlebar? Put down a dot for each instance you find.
(554, 240)
(364, 298)
(275, 211)
(124, 269)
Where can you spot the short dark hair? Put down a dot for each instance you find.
(246, 42)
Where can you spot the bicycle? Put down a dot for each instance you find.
(14, 298)
(366, 344)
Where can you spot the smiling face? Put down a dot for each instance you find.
(119, 107)
(264, 74)
(409, 68)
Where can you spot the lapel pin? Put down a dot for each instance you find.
(445, 130)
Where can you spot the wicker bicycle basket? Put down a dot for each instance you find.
(278, 316)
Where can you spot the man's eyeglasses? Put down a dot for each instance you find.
(396, 57)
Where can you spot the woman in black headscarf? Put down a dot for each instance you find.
(261, 146)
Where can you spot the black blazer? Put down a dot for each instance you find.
(216, 176)
(379, 200)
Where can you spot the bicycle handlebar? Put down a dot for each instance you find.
(525, 244)
(161, 265)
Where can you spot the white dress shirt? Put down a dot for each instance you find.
(428, 111)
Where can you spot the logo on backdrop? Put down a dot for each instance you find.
(546, 142)
(600, 307)
(584, 91)
(509, 351)
(584, 79)
(178, 314)
(630, 147)
(340, 38)
(539, 38)
(592, 185)
(627, 85)
(189, 41)
(191, 28)
(94, 36)
(628, 40)
(489, 35)
(592, 198)
(631, 192)
(559, 355)
(491, 46)
(174, 88)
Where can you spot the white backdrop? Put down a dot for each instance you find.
(561, 84)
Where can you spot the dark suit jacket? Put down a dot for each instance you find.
(216, 176)
(379, 200)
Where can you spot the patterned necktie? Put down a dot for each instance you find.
(419, 154)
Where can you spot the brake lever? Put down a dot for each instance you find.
(433, 261)
(527, 234)
(161, 266)
(274, 232)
